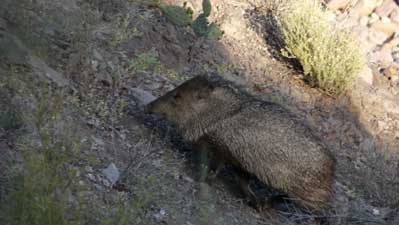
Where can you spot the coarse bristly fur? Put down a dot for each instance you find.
(260, 137)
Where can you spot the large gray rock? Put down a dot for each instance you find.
(142, 96)
(46, 72)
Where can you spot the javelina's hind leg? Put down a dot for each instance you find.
(276, 202)
(259, 203)
(243, 178)
(215, 168)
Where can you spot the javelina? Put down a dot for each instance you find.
(260, 137)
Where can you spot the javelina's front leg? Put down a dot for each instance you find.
(210, 163)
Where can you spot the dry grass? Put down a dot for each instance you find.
(330, 57)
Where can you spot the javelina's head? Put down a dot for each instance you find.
(185, 102)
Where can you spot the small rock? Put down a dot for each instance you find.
(105, 78)
(387, 28)
(331, 16)
(142, 96)
(391, 106)
(98, 142)
(162, 212)
(89, 169)
(97, 55)
(160, 215)
(42, 68)
(111, 173)
(395, 56)
(94, 65)
(392, 73)
(385, 19)
(106, 183)
(338, 4)
(397, 134)
(367, 75)
(110, 67)
(376, 212)
(385, 8)
(363, 21)
(363, 33)
(77, 174)
(374, 18)
(365, 7)
(395, 15)
(157, 163)
(69, 196)
(91, 177)
(93, 122)
(188, 179)
(154, 85)
(391, 43)
(376, 37)
(351, 20)
(101, 36)
(98, 187)
(383, 57)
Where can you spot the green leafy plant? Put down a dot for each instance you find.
(42, 185)
(10, 119)
(330, 57)
(37, 191)
(182, 16)
(145, 61)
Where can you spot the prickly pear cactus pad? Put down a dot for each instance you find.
(200, 25)
(176, 14)
(206, 7)
(182, 16)
(214, 32)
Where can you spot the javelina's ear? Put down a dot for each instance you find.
(176, 96)
(205, 92)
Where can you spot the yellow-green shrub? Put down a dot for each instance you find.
(330, 57)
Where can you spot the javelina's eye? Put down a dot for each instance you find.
(177, 96)
(200, 96)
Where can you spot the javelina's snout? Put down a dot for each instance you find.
(153, 107)
(161, 107)
(148, 107)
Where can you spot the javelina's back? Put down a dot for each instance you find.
(263, 138)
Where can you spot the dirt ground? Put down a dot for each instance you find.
(152, 56)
